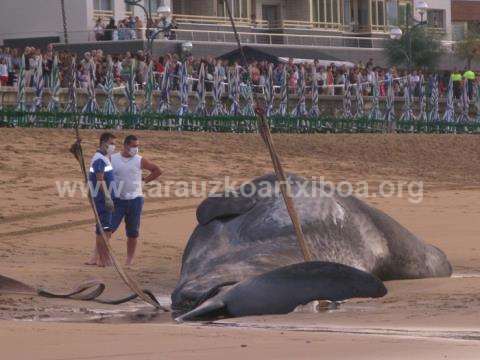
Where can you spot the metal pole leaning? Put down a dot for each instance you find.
(267, 138)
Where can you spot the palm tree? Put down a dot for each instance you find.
(426, 49)
(469, 49)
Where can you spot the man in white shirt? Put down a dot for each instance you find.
(128, 166)
(415, 80)
(3, 72)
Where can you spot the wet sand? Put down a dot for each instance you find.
(44, 240)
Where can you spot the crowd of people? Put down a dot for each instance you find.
(331, 78)
(132, 28)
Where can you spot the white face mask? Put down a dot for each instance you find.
(110, 149)
(133, 151)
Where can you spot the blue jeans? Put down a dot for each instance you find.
(131, 210)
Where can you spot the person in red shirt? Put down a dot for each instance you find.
(159, 68)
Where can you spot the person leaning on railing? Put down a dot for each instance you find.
(110, 30)
(99, 30)
(139, 28)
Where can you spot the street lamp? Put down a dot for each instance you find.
(396, 33)
(187, 47)
(64, 22)
(411, 24)
(422, 8)
(151, 34)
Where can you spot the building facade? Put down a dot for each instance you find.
(28, 19)
(465, 18)
(357, 16)
(326, 17)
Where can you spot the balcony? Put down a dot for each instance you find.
(102, 14)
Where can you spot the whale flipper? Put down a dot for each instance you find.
(280, 291)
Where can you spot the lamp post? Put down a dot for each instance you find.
(186, 49)
(152, 30)
(411, 24)
(64, 22)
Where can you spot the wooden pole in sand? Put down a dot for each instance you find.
(267, 138)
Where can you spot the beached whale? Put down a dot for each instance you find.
(243, 257)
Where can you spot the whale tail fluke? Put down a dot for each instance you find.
(280, 291)
(12, 286)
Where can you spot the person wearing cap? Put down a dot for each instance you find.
(457, 82)
(469, 76)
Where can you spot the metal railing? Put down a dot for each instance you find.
(102, 13)
(297, 24)
(247, 38)
(214, 20)
(280, 39)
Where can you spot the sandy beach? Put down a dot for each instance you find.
(45, 239)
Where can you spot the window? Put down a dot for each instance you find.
(325, 12)
(436, 19)
(378, 13)
(156, 4)
(102, 5)
(335, 13)
(402, 14)
(239, 8)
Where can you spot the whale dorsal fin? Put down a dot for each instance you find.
(220, 206)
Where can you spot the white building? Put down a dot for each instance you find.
(438, 16)
(26, 19)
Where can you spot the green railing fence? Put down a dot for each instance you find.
(232, 124)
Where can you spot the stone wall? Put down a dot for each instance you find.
(329, 105)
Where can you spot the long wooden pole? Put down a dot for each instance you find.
(264, 128)
(277, 165)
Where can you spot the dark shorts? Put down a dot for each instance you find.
(104, 215)
(131, 210)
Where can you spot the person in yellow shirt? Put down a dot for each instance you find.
(469, 76)
(457, 83)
